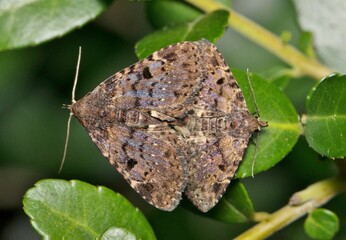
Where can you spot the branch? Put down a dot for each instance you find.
(300, 204)
(301, 64)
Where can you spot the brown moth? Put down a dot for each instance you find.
(173, 122)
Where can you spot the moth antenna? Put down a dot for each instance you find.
(252, 92)
(254, 158)
(71, 113)
(66, 141)
(262, 124)
(76, 75)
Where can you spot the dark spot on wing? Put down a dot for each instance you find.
(240, 96)
(146, 73)
(221, 167)
(146, 190)
(220, 81)
(185, 65)
(216, 187)
(170, 56)
(214, 61)
(131, 163)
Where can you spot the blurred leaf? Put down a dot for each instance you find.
(280, 76)
(325, 20)
(165, 13)
(275, 141)
(227, 3)
(325, 127)
(235, 205)
(78, 210)
(297, 89)
(210, 26)
(313, 168)
(172, 12)
(281, 81)
(321, 224)
(306, 44)
(26, 23)
(286, 37)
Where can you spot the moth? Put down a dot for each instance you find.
(175, 122)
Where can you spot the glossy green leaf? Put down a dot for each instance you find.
(78, 210)
(274, 142)
(170, 12)
(210, 26)
(321, 224)
(118, 233)
(325, 127)
(235, 205)
(26, 23)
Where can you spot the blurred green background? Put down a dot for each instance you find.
(36, 81)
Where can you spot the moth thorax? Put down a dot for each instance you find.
(130, 117)
(208, 124)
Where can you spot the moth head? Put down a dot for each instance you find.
(89, 109)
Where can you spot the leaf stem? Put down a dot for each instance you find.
(300, 203)
(301, 64)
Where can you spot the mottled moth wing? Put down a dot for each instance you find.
(152, 162)
(130, 117)
(173, 120)
(221, 130)
(165, 81)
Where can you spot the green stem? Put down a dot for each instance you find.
(300, 204)
(301, 64)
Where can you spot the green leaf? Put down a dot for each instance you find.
(281, 81)
(172, 12)
(235, 205)
(280, 76)
(306, 44)
(165, 13)
(321, 224)
(118, 233)
(325, 20)
(325, 127)
(286, 37)
(26, 23)
(227, 3)
(78, 210)
(210, 26)
(275, 141)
